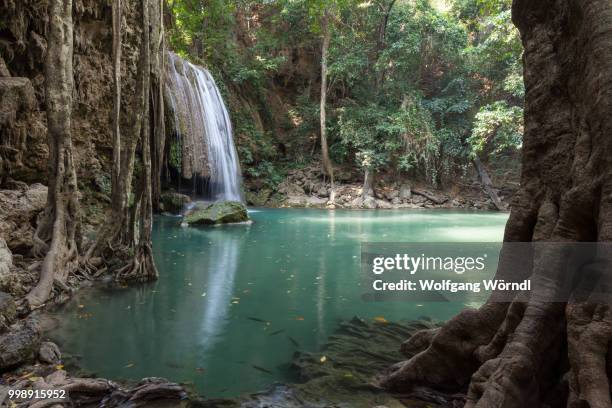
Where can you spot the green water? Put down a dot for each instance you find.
(234, 303)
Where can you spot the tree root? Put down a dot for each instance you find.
(448, 361)
(141, 268)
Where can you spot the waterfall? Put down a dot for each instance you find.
(203, 125)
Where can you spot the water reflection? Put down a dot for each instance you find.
(221, 273)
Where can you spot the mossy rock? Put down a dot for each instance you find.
(224, 212)
(174, 202)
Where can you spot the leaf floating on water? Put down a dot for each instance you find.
(276, 332)
(299, 318)
(199, 369)
(323, 359)
(204, 294)
(263, 370)
(257, 319)
(380, 319)
(129, 365)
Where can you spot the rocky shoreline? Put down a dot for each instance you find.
(307, 188)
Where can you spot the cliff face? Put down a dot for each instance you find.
(23, 141)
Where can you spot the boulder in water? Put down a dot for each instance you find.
(173, 202)
(223, 212)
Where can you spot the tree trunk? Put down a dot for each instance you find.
(327, 165)
(127, 238)
(142, 266)
(368, 184)
(487, 185)
(59, 223)
(381, 44)
(531, 353)
(116, 169)
(159, 136)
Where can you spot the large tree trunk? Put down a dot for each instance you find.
(125, 243)
(59, 223)
(327, 165)
(531, 353)
(142, 266)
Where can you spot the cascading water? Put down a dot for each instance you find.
(202, 122)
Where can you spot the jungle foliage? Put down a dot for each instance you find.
(415, 87)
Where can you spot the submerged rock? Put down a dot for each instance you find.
(224, 212)
(173, 202)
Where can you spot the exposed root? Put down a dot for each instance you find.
(449, 361)
(589, 332)
(141, 268)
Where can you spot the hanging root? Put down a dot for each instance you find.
(141, 267)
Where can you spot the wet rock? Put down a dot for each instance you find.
(49, 353)
(8, 311)
(225, 212)
(18, 345)
(173, 202)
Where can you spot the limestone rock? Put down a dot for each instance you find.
(258, 198)
(49, 353)
(18, 345)
(18, 212)
(16, 95)
(8, 311)
(224, 212)
(405, 193)
(369, 203)
(174, 202)
(6, 262)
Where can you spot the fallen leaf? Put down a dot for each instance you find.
(299, 318)
(129, 365)
(380, 319)
(323, 359)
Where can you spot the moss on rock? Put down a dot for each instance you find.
(224, 212)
